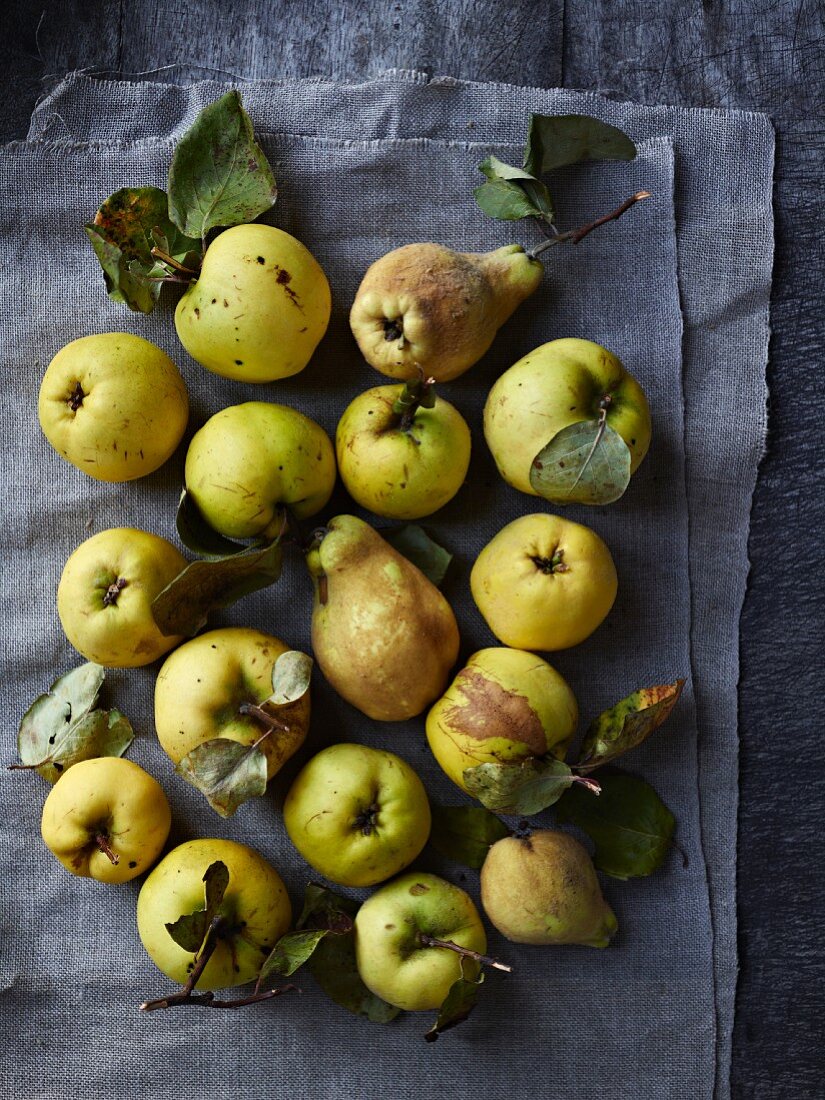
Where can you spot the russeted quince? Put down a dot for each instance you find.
(382, 633)
(505, 705)
(424, 306)
(541, 888)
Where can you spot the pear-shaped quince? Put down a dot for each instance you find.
(426, 306)
(504, 706)
(382, 633)
(259, 308)
(542, 888)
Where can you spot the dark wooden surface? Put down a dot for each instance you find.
(761, 54)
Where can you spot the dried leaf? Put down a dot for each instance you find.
(291, 952)
(196, 534)
(189, 930)
(556, 140)
(332, 964)
(416, 545)
(225, 772)
(61, 728)
(182, 607)
(627, 724)
(457, 1006)
(526, 787)
(291, 675)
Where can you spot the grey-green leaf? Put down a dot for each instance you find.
(629, 824)
(585, 463)
(125, 229)
(536, 192)
(61, 727)
(291, 675)
(196, 534)
(523, 788)
(332, 964)
(183, 606)
(416, 545)
(465, 833)
(219, 174)
(225, 772)
(556, 140)
(457, 1005)
(291, 952)
(189, 930)
(505, 200)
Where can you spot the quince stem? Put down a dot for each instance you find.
(159, 254)
(187, 996)
(465, 952)
(574, 236)
(265, 718)
(102, 841)
(417, 393)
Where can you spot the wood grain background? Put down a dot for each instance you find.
(739, 53)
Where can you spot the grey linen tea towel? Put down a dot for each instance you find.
(679, 290)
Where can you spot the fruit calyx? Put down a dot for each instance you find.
(76, 397)
(110, 596)
(426, 940)
(554, 563)
(367, 820)
(394, 329)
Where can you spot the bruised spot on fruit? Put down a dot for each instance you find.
(490, 711)
(133, 863)
(261, 260)
(418, 888)
(197, 312)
